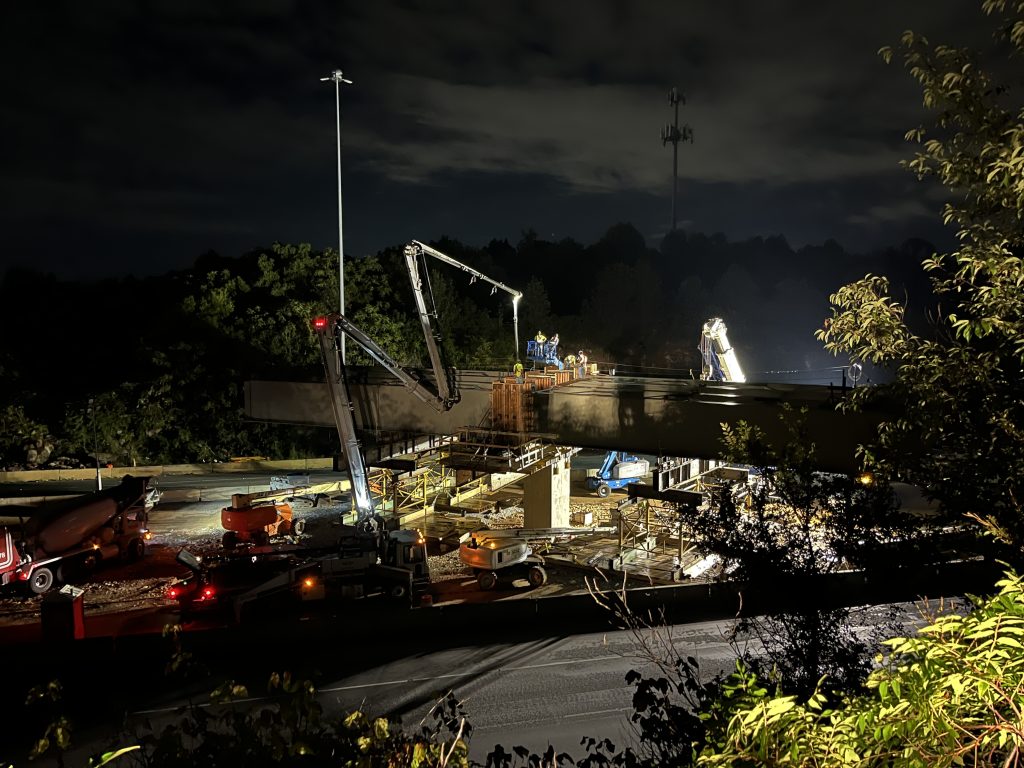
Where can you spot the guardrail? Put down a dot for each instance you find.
(116, 473)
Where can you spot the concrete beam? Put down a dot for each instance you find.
(659, 416)
(676, 417)
(382, 403)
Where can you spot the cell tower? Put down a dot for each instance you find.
(673, 133)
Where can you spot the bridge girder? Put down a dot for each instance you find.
(659, 416)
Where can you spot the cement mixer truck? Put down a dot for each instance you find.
(71, 537)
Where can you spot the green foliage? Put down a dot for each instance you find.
(45, 701)
(949, 696)
(288, 727)
(793, 521)
(121, 425)
(957, 392)
(16, 429)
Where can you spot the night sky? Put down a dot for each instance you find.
(138, 135)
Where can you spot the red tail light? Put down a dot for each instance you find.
(207, 593)
(173, 593)
(320, 323)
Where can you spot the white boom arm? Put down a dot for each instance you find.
(329, 331)
(416, 247)
(715, 348)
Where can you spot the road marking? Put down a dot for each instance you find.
(599, 712)
(338, 688)
(508, 724)
(561, 663)
(382, 683)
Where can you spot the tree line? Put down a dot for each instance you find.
(150, 370)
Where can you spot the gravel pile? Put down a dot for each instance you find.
(509, 517)
(447, 567)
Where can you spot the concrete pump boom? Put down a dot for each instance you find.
(328, 331)
(441, 396)
(430, 334)
(416, 247)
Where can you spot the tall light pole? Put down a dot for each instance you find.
(337, 78)
(95, 446)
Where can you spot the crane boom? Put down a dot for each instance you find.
(430, 335)
(441, 396)
(329, 332)
(441, 399)
(417, 247)
(720, 361)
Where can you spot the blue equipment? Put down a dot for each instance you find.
(619, 470)
(545, 352)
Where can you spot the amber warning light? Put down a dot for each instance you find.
(320, 323)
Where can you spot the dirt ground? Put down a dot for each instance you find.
(126, 587)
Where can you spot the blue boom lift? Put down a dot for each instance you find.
(545, 352)
(619, 470)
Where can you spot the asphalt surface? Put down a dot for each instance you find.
(538, 691)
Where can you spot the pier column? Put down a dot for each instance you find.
(546, 496)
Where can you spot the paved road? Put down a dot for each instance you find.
(242, 482)
(532, 692)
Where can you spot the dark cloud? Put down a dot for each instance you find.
(169, 128)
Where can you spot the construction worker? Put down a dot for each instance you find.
(570, 360)
(581, 356)
(551, 348)
(540, 341)
(517, 371)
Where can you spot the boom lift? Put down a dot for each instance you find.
(720, 362)
(618, 470)
(545, 352)
(508, 553)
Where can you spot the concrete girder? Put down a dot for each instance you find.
(679, 417)
(659, 416)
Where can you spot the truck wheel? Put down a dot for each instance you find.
(537, 576)
(40, 581)
(603, 491)
(487, 579)
(136, 550)
(398, 591)
(229, 540)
